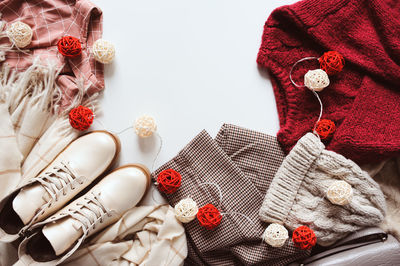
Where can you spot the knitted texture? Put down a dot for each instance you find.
(296, 195)
(363, 98)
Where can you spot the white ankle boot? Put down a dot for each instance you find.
(56, 238)
(81, 162)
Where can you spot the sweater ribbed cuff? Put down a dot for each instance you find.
(282, 192)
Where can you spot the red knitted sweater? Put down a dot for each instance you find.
(364, 99)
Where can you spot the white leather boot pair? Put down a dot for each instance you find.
(33, 210)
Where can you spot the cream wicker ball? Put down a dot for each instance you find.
(340, 193)
(275, 235)
(186, 210)
(145, 126)
(103, 51)
(316, 80)
(20, 34)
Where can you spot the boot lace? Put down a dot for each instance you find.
(90, 212)
(58, 179)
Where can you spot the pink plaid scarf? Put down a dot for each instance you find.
(50, 20)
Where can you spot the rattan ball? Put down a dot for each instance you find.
(316, 80)
(340, 193)
(275, 235)
(186, 210)
(103, 51)
(20, 34)
(145, 126)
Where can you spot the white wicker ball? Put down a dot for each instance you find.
(316, 80)
(145, 126)
(340, 193)
(103, 51)
(275, 235)
(186, 210)
(20, 34)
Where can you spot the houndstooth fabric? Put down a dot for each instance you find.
(242, 163)
(50, 20)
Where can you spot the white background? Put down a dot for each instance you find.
(191, 65)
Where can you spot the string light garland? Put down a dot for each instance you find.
(304, 238)
(209, 216)
(20, 34)
(145, 126)
(186, 210)
(81, 118)
(103, 51)
(69, 46)
(340, 193)
(275, 235)
(331, 62)
(325, 128)
(168, 181)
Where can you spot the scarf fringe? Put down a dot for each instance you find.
(38, 83)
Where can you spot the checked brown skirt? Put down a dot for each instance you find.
(241, 163)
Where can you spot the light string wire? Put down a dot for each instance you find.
(159, 147)
(220, 202)
(191, 194)
(313, 91)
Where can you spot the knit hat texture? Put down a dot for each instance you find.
(297, 194)
(363, 99)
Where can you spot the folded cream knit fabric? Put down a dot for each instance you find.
(297, 194)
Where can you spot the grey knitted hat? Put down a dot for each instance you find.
(297, 194)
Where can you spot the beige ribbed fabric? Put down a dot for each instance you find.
(296, 195)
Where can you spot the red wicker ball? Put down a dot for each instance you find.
(325, 129)
(69, 46)
(81, 118)
(304, 238)
(169, 181)
(331, 62)
(209, 216)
